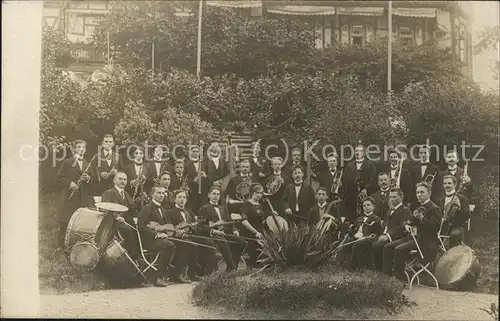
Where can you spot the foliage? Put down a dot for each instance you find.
(55, 48)
(489, 38)
(297, 246)
(299, 291)
(492, 311)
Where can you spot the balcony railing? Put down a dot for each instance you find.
(87, 53)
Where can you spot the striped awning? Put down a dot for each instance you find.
(302, 10)
(236, 3)
(415, 12)
(361, 11)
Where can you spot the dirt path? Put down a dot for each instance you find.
(173, 302)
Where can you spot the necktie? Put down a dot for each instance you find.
(161, 213)
(122, 194)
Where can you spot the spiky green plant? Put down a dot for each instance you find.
(298, 246)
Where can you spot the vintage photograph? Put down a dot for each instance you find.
(261, 159)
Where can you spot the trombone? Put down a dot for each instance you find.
(430, 178)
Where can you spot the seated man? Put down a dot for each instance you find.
(426, 219)
(231, 252)
(455, 211)
(186, 254)
(394, 232)
(153, 238)
(367, 227)
(118, 195)
(321, 208)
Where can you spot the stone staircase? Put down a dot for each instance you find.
(243, 141)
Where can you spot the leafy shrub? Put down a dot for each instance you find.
(299, 290)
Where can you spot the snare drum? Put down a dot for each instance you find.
(87, 225)
(118, 263)
(458, 268)
(84, 256)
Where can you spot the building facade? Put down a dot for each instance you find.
(336, 22)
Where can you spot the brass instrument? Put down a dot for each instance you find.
(140, 181)
(243, 189)
(430, 178)
(80, 180)
(336, 185)
(464, 174)
(398, 181)
(199, 166)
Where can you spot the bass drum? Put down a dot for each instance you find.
(84, 256)
(88, 225)
(458, 268)
(119, 266)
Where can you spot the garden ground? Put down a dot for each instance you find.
(174, 301)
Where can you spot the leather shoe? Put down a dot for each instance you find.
(179, 279)
(160, 283)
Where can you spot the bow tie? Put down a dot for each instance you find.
(424, 164)
(216, 205)
(158, 161)
(450, 195)
(138, 164)
(298, 184)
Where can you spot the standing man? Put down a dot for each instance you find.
(179, 178)
(75, 186)
(299, 198)
(426, 170)
(216, 167)
(459, 174)
(405, 182)
(155, 168)
(136, 174)
(359, 181)
(296, 162)
(381, 197)
(238, 188)
(259, 166)
(194, 166)
(331, 178)
(168, 199)
(278, 182)
(108, 163)
(154, 239)
(118, 195)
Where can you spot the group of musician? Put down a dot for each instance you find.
(388, 209)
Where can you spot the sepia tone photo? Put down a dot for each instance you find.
(254, 159)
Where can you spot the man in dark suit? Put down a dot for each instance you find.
(392, 168)
(359, 181)
(427, 220)
(394, 233)
(456, 211)
(459, 174)
(179, 178)
(231, 252)
(185, 254)
(108, 163)
(195, 165)
(259, 166)
(168, 199)
(299, 198)
(381, 197)
(332, 176)
(136, 175)
(118, 195)
(216, 167)
(153, 239)
(321, 208)
(155, 168)
(425, 170)
(274, 180)
(296, 162)
(238, 187)
(74, 194)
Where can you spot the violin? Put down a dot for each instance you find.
(170, 231)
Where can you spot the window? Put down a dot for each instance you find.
(83, 25)
(79, 4)
(406, 35)
(356, 34)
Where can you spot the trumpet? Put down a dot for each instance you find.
(336, 183)
(140, 181)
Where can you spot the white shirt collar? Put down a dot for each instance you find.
(322, 205)
(385, 190)
(450, 194)
(369, 214)
(397, 206)
(214, 204)
(277, 173)
(78, 157)
(158, 204)
(120, 190)
(454, 168)
(182, 209)
(427, 201)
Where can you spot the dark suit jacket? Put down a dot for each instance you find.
(101, 165)
(427, 229)
(367, 176)
(417, 178)
(277, 198)
(406, 183)
(213, 173)
(461, 216)
(69, 171)
(313, 215)
(151, 174)
(381, 204)
(372, 225)
(467, 191)
(325, 180)
(396, 222)
(150, 213)
(306, 199)
(113, 196)
(176, 182)
(131, 175)
(175, 217)
(261, 166)
(208, 214)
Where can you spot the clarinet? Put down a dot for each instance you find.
(80, 180)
